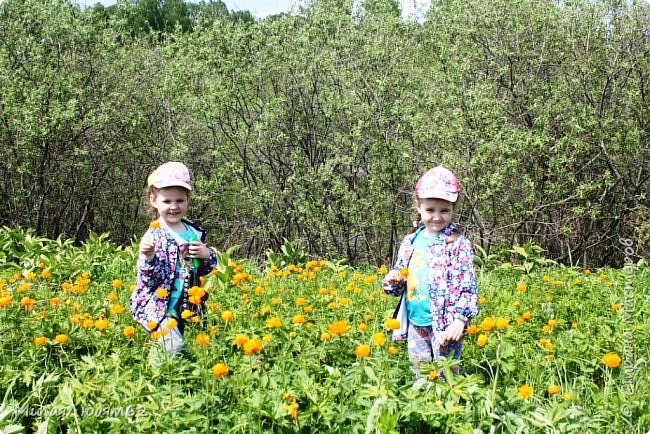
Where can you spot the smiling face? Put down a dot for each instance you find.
(171, 204)
(436, 214)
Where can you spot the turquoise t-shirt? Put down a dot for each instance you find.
(177, 291)
(417, 283)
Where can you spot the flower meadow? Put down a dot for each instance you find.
(305, 346)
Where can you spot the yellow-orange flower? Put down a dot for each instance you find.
(155, 224)
(472, 330)
(616, 306)
(128, 331)
(432, 375)
(101, 324)
(55, 301)
(611, 360)
(112, 297)
(117, 283)
(45, 274)
(274, 322)
(362, 351)
(362, 327)
(521, 287)
(338, 328)
(527, 315)
(298, 319)
(253, 346)
(27, 302)
(240, 340)
(202, 340)
(186, 314)
(171, 323)
(116, 309)
(40, 341)
(392, 350)
(553, 389)
(88, 323)
(525, 391)
(325, 337)
(227, 316)
(404, 272)
(501, 323)
(482, 340)
(378, 339)
(61, 338)
(488, 324)
(220, 370)
(392, 324)
(151, 325)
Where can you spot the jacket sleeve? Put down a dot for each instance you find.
(463, 280)
(403, 256)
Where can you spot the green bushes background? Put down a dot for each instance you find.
(315, 126)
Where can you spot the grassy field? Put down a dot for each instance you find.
(300, 345)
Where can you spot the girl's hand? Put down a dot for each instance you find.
(393, 277)
(147, 247)
(199, 250)
(455, 330)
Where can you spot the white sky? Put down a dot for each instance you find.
(263, 8)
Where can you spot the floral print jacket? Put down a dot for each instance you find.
(159, 272)
(452, 283)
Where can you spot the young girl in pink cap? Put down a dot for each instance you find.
(439, 294)
(172, 256)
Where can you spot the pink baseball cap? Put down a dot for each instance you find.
(438, 183)
(170, 174)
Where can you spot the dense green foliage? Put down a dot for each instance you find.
(558, 350)
(315, 126)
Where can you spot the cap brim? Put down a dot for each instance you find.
(173, 184)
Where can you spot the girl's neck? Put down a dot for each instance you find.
(179, 227)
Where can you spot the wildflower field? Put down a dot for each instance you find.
(300, 344)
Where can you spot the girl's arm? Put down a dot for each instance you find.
(393, 282)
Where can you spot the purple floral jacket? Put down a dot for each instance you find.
(159, 272)
(452, 284)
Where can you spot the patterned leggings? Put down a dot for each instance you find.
(421, 348)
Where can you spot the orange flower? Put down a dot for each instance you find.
(325, 337)
(525, 391)
(521, 287)
(392, 324)
(171, 323)
(40, 341)
(116, 309)
(112, 297)
(253, 346)
(116, 283)
(404, 272)
(88, 323)
(338, 328)
(362, 327)
(392, 350)
(45, 274)
(155, 224)
(611, 360)
(482, 340)
(220, 370)
(472, 330)
(488, 324)
(274, 322)
(151, 325)
(61, 338)
(298, 319)
(527, 315)
(27, 302)
(227, 316)
(240, 340)
(55, 301)
(433, 374)
(101, 324)
(501, 323)
(378, 339)
(362, 351)
(202, 340)
(553, 389)
(128, 331)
